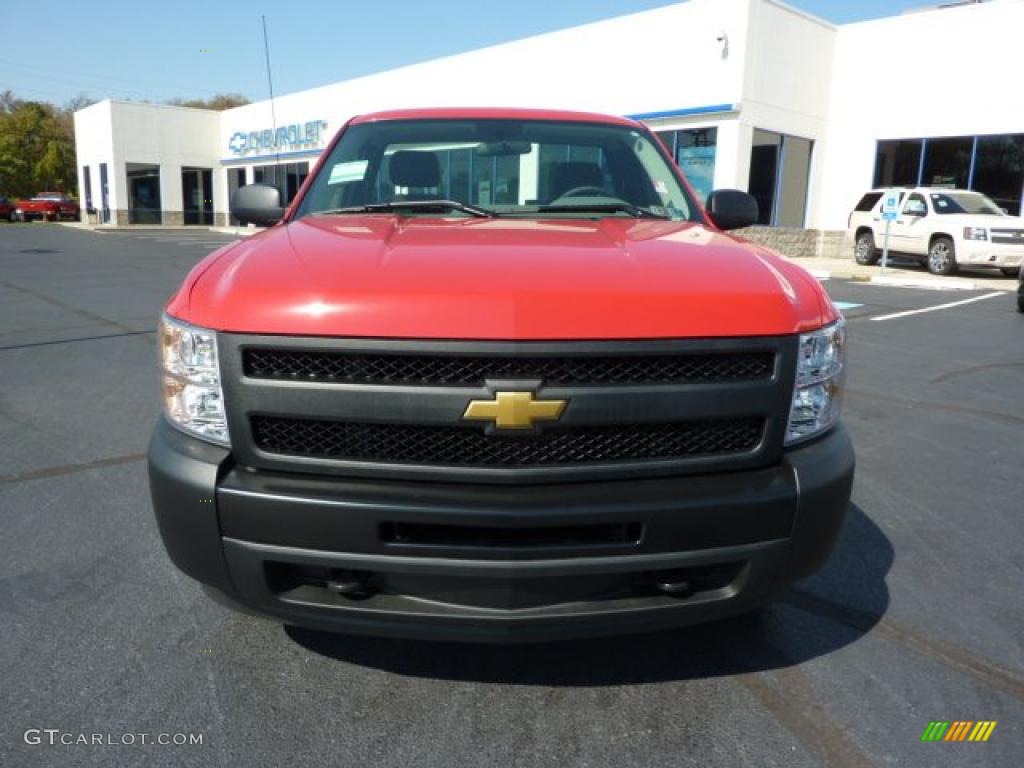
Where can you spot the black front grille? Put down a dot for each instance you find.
(1008, 236)
(457, 370)
(435, 535)
(470, 447)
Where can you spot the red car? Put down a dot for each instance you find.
(50, 206)
(8, 210)
(496, 375)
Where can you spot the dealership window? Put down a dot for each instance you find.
(897, 163)
(487, 179)
(87, 183)
(780, 167)
(496, 180)
(104, 194)
(236, 180)
(144, 193)
(992, 165)
(197, 196)
(287, 177)
(947, 162)
(694, 151)
(999, 170)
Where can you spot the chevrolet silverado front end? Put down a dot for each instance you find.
(496, 376)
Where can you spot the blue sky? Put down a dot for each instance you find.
(116, 49)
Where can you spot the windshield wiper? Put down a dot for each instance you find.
(633, 210)
(417, 205)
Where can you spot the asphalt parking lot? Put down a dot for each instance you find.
(916, 617)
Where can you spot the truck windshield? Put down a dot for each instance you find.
(964, 202)
(470, 167)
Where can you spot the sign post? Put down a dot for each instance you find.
(890, 210)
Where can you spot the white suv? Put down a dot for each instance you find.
(942, 228)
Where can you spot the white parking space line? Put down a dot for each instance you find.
(937, 307)
(927, 283)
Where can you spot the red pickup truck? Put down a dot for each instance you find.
(8, 211)
(50, 206)
(496, 375)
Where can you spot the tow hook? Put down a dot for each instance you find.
(351, 584)
(674, 588)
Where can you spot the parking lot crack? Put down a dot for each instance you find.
(793, 701)
(988, 673)
(67, 469)
(67, 307)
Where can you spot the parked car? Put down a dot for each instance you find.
(8, 210)
(942, 228)
(1020, 291)
(552, 399)
(50, 206)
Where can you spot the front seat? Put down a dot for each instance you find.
(420, 172)
(570, 175)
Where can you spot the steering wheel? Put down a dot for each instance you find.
(585, 191)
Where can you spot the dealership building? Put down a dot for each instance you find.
(749, 94)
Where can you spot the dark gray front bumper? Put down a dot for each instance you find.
(264, 538)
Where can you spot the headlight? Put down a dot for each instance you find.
(820, 375)
(192, 396)
(975, 233)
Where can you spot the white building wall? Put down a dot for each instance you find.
(171, 137)
(94, 145)
(782, 70)
(942, 72)
(789, 65)
(664, 59)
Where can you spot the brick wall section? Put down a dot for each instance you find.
(801, 243)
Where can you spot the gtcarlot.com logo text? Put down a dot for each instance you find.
(54, 736)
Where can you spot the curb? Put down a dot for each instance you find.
(240, 231)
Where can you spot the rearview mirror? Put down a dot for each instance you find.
(731, 209)
(258, 204)
(503, 148)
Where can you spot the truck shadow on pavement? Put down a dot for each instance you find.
(835, 607)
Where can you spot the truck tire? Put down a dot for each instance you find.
(12, 216)
(942, 256)
(864, 251)
(1010, 271)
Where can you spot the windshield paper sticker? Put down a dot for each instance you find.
(354, 170)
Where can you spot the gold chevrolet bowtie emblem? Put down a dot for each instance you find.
(514, 410)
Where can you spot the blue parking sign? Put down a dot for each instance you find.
(890, 204)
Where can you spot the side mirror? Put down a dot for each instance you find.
(258, 204)
(731, 208)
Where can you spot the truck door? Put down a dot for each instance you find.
(909, 232)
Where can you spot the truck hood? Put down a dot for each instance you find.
(399, 277)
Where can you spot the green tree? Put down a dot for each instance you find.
(36, 148)
(220, 102)
(37, 141)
